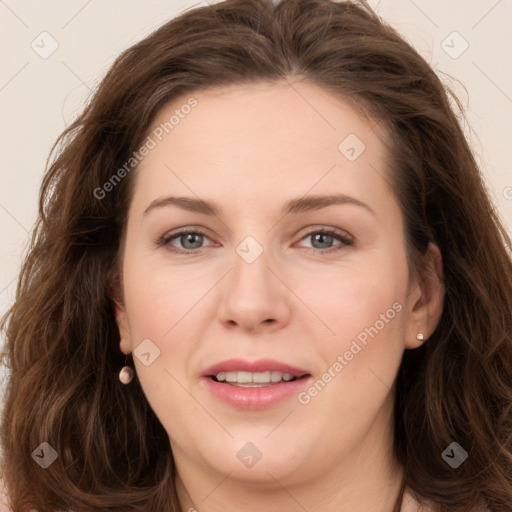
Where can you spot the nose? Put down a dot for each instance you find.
(254, 296)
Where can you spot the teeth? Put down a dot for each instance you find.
(263, 377)
(242, 378)
(276, 376)
(247, 378)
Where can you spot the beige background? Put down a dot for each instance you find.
(39, 97)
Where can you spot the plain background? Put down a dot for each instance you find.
(39, 97)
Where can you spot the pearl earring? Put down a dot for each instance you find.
(126, 375)
(419, 336)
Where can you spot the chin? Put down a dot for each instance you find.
(258, 460)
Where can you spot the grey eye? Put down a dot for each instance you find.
(194, 239)
(324, 240)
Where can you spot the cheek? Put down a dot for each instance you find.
(355, 298)
(161, 314)
(159, 296)
(363, 306)
(164, 306)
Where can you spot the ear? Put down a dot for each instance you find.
(425, 299)
(121, 319)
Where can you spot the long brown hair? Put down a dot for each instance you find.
(62, 340)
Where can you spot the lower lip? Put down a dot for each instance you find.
(257, 397)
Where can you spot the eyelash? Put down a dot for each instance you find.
(165, 241)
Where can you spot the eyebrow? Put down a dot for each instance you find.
(292, 206)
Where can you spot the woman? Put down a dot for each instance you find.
(266, 276)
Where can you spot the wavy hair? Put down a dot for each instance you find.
(62, 340)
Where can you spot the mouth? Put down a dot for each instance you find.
(255, 379)
(254, 385)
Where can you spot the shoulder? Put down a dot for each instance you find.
(4, 500)
(413, 503)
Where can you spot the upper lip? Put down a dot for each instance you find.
(261, 365)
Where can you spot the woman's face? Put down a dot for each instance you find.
(255, 174)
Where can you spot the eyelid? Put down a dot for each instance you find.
(338, 232)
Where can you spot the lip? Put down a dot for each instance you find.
(261, 365)
(256, 398)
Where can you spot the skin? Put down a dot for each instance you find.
(250, 149)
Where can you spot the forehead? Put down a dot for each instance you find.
(255, 141)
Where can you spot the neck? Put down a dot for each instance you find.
(321, 495)
(368, 478)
